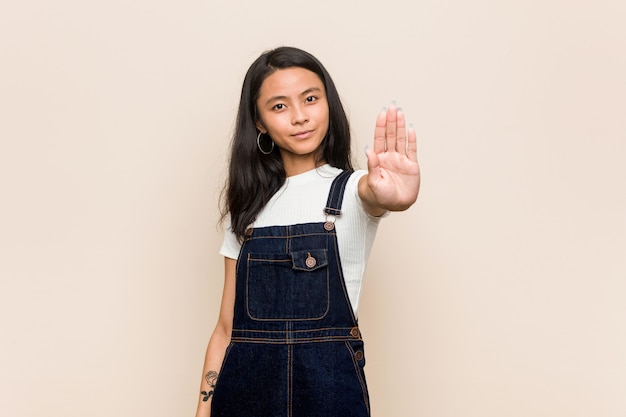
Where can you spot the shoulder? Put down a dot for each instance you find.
(230, 245)
(356, 177)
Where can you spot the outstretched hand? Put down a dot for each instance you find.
(393, 180)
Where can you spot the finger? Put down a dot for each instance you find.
(379, 132)
(391, 133)
(411, 150)
(401, 133)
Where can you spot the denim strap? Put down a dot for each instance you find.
(335, 196)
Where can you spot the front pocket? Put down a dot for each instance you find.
(290, 286)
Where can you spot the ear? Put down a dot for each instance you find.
(259, 125)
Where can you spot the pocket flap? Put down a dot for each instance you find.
(309, 260)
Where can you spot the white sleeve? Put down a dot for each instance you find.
(230, 246)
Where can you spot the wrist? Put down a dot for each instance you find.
(368, 198)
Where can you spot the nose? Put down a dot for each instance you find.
(299, 115)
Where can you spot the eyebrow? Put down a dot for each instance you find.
(304, 93)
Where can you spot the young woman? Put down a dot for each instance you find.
(301, 225)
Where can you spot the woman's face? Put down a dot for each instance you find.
(293, 111)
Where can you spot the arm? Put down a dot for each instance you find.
(219, 341)
(393, 178)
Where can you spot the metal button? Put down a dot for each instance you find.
(358, 355)
(355, 332)
(310, 261)
(328, 226)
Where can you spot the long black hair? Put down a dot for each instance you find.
(253, 177)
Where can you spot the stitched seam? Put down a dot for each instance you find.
(290, 380)
(357, 370)
(343, 283)
(286, 341)
(317, 329)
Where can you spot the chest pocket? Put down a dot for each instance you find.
(290, 286)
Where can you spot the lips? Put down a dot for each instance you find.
(303, 134)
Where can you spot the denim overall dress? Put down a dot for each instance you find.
(296, 349)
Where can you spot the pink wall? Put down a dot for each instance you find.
(499, 294)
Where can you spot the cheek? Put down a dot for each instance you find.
(325, 117)
(271, 122)
(324, 113)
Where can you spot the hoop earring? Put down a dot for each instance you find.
(258, 144)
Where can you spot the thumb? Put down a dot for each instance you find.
(373, 162)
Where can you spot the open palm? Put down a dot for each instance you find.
(394, 174)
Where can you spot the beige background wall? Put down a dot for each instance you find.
(501, 293)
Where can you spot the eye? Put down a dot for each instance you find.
(278, 106)
(310, 99)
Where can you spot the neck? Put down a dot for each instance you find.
(292, 169)
(297, 164)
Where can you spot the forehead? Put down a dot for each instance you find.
(290, 82)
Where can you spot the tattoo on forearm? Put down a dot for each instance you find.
(211, 379)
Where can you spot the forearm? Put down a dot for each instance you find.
(212, 363)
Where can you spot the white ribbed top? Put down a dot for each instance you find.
(302, 200)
